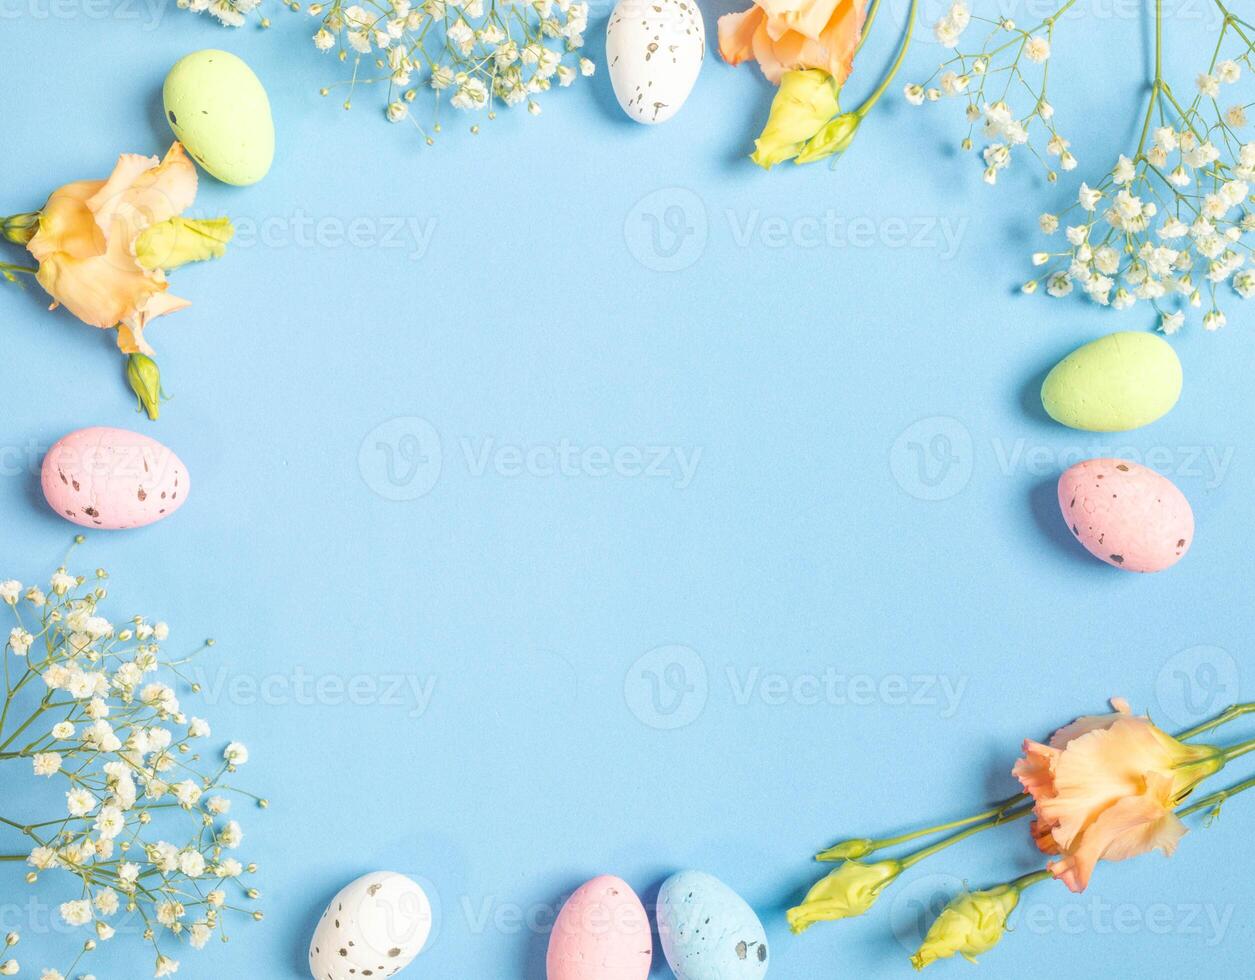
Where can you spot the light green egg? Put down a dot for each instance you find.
(1113, 384)
(219, 111)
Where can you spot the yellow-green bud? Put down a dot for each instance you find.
(145, 378)
(847, 892)
(835, 138)
(20, 228)
(848, 850)
(804, 105)
(973, 923)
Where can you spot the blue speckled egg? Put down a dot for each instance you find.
(708, 931)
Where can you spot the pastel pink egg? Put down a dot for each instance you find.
(113, 479)
(1126, 514)
(602, 933)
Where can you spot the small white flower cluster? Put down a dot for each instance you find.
(1169, 224)
(990, 80)
(85, 701)
(506, 52)
(231, 13)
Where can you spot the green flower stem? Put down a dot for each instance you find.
(11, 857)
(998, 820)
(1231, 713)
(1237, 751)
(872, 99)
(867, 25)
(1030, 879)
(1215, 800)
(1157, 86)
(883, 842)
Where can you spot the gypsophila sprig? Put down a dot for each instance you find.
(1169, 224)
(144, 834)
(232, 13)
(1001, 82)
(473, 56)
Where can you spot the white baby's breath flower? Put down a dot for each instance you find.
(236, 754)
(1228, 71)
(79, 802)
(166, 967)
(77, 913)
(106, 901)
(1037, 49)
(47, 763)
(231, 836)
(192, 863)
(187, 793)
(20, 641)
(199, 935)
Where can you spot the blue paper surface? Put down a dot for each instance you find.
(576, 498)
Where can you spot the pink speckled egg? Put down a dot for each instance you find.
(602, 933)
(113, 479)
(1126, 514)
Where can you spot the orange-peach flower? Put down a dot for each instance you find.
(1105, 788)
(86, 244)
(786, 35)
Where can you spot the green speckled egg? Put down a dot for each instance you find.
(1113, 384)
(219, 111)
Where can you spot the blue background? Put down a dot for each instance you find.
(832, 390)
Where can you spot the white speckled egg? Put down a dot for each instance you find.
(373, 928)
(655, 49)
(113, 479)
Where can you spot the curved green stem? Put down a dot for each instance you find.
(867, 25)
(872, 99)
(1216, 799)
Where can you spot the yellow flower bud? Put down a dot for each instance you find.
(179, 241)
(803, 106)
(971, 924)
(145, 378)
(849, 891)
(848, 850)
(20, 228)
(833, 139)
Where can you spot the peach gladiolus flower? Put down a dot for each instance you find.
(785, 35)
(87, 237)
(1105, 789)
